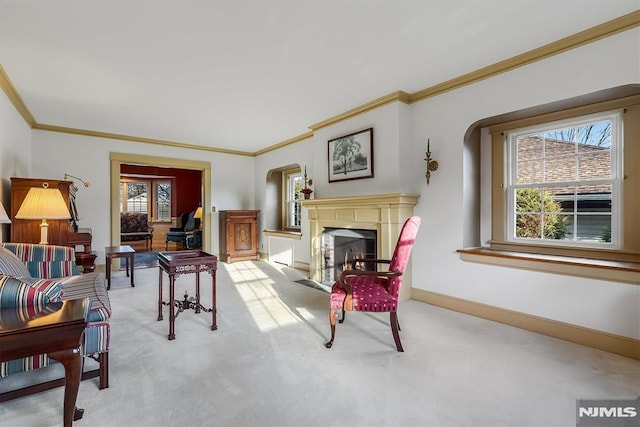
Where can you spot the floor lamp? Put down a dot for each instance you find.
(43, 203)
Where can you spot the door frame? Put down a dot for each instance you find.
(117, 159)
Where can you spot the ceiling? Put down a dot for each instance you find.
(248, 74)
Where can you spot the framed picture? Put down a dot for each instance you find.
(351, 156)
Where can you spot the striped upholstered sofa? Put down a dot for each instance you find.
(30, 263)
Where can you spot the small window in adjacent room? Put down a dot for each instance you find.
(134, 196)
(292, 207)
(152, 197)
(563, 182)
(162, 200)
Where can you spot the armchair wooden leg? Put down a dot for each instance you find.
(332, 322)
(395, 326)
(103, 359)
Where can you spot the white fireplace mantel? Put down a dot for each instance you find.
(385, 213)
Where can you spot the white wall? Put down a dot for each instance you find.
(15, 154)
(232, 178)
(601, 305)
(400, 132)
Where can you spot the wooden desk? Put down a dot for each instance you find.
(182, 262)
(59, 335)
(126, 252)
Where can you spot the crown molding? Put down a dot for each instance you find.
(98, 134)
(15, 98)
(397, 96)
(284, 143)
(607, 29)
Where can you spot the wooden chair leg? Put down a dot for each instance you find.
(103, 359)
(395, 326)
(332, 322)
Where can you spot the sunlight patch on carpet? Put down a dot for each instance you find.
(256, 289)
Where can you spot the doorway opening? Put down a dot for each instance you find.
(120, 159)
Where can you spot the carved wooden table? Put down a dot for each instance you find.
(183, 262)
(126, 252)
(58, 334)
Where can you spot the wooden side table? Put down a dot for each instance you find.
(86, 260)
(126, 252)
(182, 262)
(59, 335)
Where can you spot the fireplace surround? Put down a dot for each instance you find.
(384, 213)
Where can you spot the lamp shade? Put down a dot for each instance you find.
(198, 213)
(43, 203)
(4, 218)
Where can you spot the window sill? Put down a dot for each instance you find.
(617, 271)
(287, 234)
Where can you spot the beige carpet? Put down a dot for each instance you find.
(266, 365)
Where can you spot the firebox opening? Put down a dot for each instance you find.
(340, 246)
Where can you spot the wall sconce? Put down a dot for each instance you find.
(43, 203)
(306, 191)
(432, 165)
(85, 183)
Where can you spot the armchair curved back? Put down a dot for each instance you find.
(187, 221)
(402, 253)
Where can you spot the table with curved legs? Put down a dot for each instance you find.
(183, 262)
(57, 333)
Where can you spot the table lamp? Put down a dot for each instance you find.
(198, 215)
(43, 203)
(4, 218)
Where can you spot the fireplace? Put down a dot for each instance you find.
(384, 214)
(340, 246)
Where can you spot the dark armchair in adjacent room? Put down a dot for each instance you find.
(188, 223)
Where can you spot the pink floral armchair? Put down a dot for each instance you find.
(375, 291)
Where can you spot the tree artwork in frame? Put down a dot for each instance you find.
(351, 156)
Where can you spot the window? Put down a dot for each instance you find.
(563, 182)
(152, 197)
(566, 182)
(162, 200)
(133, 196)
(292, 208)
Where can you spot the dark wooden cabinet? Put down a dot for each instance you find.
(238, 235)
